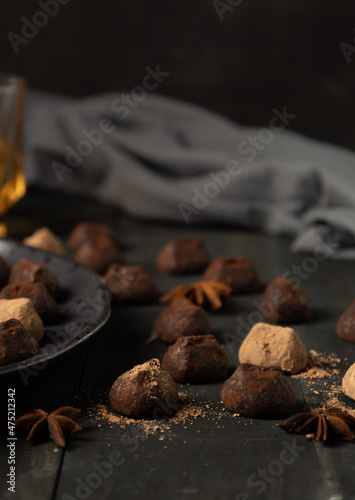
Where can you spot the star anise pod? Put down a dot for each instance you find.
(39, 421)
(203, 293)
(322, 424)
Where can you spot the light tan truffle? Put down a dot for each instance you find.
(44, 238)
(269, 345)
(24, 311)
(348, 384)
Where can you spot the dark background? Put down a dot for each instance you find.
(264, 54)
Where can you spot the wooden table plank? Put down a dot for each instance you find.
(37, 466)
(227, 457)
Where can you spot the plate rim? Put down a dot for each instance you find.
(78, 339)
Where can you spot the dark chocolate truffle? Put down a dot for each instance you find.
(130, 284)
(146, 391)
(183, 255)
(258, 392)
(346, 324)
(42, 300)
(4, 272)
(98, 254)
(196, 359)
(90, 231)
(28, 271)
(16, 344)
(285, 302)
(236, 272)
(181, 318)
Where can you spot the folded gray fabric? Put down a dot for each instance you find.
(157, 157)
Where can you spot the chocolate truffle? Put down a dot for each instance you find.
(46, 240)
(146, 391)
(183, 255)
(90, 231)
(269, 345)
(43, 301)
(346, 324)
(196, 359)
(285, 302)
(4, 272)
(130, 284)
(348, 384)
(23, 310)
(181, 318)
(15, 343)
(236, 272)
(28, 271)
(98, 254)
(258, 392)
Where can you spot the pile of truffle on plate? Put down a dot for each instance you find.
(258, 388)
(28, 300)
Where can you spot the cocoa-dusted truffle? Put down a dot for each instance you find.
(346, 324)
(269, 345)
(285, 302)
(46, 240)
(236, 272)
(4, 272)
(258, 392)
(130, 284)
(181, 318)
(196, 359)
(348, 383)
(183, 255)
(23, 310)
(146, 391)
(43, 301)
(98, 254)
(28, 271)
(16, 344)
(90, 231)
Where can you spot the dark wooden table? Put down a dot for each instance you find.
(207, 457)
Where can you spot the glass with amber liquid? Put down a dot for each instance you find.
(12, 179)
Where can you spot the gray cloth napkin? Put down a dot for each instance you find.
(157, 157)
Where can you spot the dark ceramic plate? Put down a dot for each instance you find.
(84, 309)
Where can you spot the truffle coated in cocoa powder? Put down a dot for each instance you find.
(258, 392)
(90, 231)
(23, 310)
(270, 345)
(146, 391)
(183, 255)
(181, 318)
(28, 271)
(348, 383)
(285, 302)
(98, 254)
(236, 272)
(130, 284)
(196, 359)
(346, 324)
(4, 272)
(16, 344)
(46, 240)
(42, 300)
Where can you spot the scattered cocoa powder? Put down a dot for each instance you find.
(320, 366)
(333, 400)
(190, 411)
